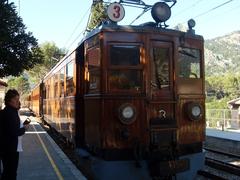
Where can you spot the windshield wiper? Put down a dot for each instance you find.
(186, 53)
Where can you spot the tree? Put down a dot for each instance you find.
(20, 83)
(98, 14)
(18, 49)
(51, 55)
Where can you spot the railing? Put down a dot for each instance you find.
(223, 119)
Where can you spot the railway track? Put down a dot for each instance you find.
(221, 165)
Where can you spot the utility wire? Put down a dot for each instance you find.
(227, 11)
(76, 27)
(208, 11)
(84, 30)
(189, 7)
(144, 11)
(214, 8)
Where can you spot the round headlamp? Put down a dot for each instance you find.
(161, 12)
(194, 111)
(191, 23)
(127, 113)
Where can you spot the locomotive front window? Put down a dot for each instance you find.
(125, 55)
(125, 79)
(125, 68)
(189, 63)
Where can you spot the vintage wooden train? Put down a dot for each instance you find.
(132, 100)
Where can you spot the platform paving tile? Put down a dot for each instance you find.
(42, 159)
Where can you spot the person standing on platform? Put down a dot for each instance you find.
(10, 127)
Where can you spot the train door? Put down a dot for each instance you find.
(160, 67)
(161, 106)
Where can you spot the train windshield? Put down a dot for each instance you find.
(128, 55)
(189, 63)
(125, 71)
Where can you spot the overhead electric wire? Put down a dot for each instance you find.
(208, 11)
(144, 11)
(189, 7)
(227, 11)
(76, 27)
(84, 30)
(214, 8)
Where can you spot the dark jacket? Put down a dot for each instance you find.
(10, 129)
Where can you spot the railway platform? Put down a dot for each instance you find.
(226, 141)
(229, 134)
(42, 159)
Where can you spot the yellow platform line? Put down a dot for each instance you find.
(58, 173)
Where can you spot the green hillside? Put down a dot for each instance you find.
(222, 69)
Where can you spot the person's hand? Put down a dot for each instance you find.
(26, 126)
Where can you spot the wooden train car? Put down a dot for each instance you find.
(132, 99)
(35, 99)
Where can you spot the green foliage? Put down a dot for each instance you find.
(20, 83)
(228, 84)
(222, 54)
(51, 55)
(98, 15)
(18, 49)
(222, 66)
(214, 103)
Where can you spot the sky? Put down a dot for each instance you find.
(63, 22)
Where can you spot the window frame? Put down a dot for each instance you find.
(138, 67)
(200, 64)
(72, 92)
(93, 68)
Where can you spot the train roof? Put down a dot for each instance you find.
(144, 28)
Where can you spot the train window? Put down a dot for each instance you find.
(125, 55)
(189, 63)
(44, 91)
(62, 82)
(47, 89)
(94, 80)
(93, 57)
(52, 87)
(161, 66)
(125, 79)
(69, 80)
(93, 64)
(56, 80)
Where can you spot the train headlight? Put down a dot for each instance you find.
(127, 113)
(194, 111)
(161, 12)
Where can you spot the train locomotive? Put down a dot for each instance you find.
(132, 101)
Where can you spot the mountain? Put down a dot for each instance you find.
(222, 54)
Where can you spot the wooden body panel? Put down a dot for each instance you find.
(35, 100)
(190, 131)
(60, 114)
(113, 128)
(93, 119)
